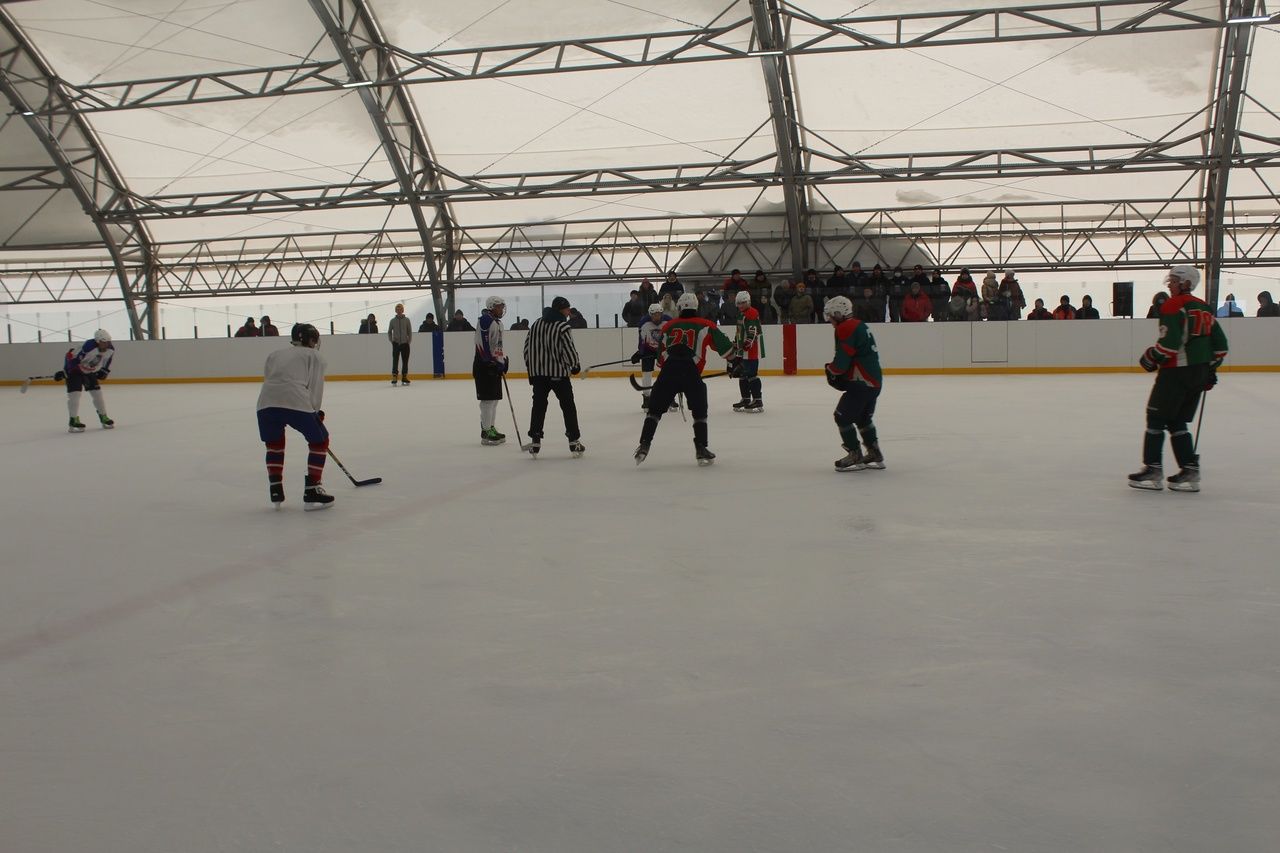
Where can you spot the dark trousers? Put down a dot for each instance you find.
(400, 351)
(1171, 406)
(543, 386)
(678, 376)
(854, 412)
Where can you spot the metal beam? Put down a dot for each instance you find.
(1181, 152)
(730, 41)
(27, 81)
(355, 34)
(771, 39)
(1233, 71)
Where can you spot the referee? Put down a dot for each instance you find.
(551, 358)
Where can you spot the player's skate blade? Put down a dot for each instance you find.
(705, 457)
(1186, 480)
(641, 452)
(1149, 478)
(577, 448)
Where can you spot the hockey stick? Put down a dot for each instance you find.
(372, 481)
(636, 385)
(1204, 401)
(26, 383)
(524, 448)
(591, 367)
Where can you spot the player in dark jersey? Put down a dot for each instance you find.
(685, 341)
(855, 370)
(749, 341)
(1185, 360)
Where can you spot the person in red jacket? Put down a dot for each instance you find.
(916, 306)
(1039, 312)
(1065, 310)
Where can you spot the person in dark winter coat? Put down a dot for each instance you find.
(1009, 285)
(369, 325)
(867, 307)
(1087, 311)
(551, 358)
(782, 299)
(248, 330)
(576, 320)
(672, 287)
(1040, 312)
(648, 295)
(268, 329)
(1266, 306)
(939, 293)
(633, 312)
(459, 323)
(429, 324)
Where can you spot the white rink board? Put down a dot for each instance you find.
(994, 644)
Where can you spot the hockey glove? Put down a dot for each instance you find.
(1212, 379)
(1148, 363)
(102, 374)
(320, 415)
(636, 356)
(575, 370)
(835, 380)
(735, 367)
(59, 376)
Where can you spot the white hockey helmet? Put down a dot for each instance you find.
(687, 302)
(655, 308)
(493, 302)
(1185, 273)
(838, 308)
(743, 298)
(102, 336)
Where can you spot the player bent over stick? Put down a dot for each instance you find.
(682, 357)
(292, 392)
(855, 370)
(1191, 347)
(82, 371)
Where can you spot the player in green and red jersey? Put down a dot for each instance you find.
(1191, 347)
(685, 341)
(749, 341)
(855, 370)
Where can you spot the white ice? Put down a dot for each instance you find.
(994, 644)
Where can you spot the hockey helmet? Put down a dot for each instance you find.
(495, 302)
(102, 336)
(838, 308)
(1187, 274)
(743, 298)
(687, 302)
(655, 308)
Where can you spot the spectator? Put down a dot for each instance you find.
(916, 305)
(668, 304)
(459, 323)
(964, 285)
(768, 314)
(520, 325)
(648, 295)
(867, 307)
(939, 291)
(400, 333)
(732, 285)
(879, 284)
(957, 308)
(990, 289)
(634, 311)
(801, 309)
(729, 312)
(268, 330)
(974, 309)
(813, 286)
(1157, 302)
(897, 293)
(1229, 308)
(576, 320)
(708, 306)
(1087, 311)
(782, 295)
(1009, 284)
(837, 284)
(369, 325)
(759, 290)
(1039, 312)
(1267, 307)
(672, 288)
(429, 324)
(1065, 310)
(855, 278)
(248, 330)
(1000, 308)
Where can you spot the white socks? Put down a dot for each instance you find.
(98, 402)
(488, 413)
(73, 403)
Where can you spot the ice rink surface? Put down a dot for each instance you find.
(992, 645)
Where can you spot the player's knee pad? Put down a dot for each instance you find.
(1178, 428)
(276, 446)
(864, 424)
(699, 420)
(841, 419)
(319, 446)
(1155, 423)
(654, 416)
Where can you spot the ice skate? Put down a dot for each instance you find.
(534, 447)
(674, 407)
(1186, 480)
(754, 407)
(74, 425)
(277, 494)
(491, 437)
(395, 379)
(704, 456)
(874, 458)
(106, 422)
(852, 461)
(577, 448)
(404, 381)
(1148, 478)
(315, 497)
(742, 404)
(641, 452)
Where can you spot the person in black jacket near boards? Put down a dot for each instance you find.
(551, 358)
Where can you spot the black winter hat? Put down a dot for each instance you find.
(559, 303)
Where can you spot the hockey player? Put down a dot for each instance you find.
(1191, 347)
(683, 354)
(646, 354)
(855, 370)
(291, 395)
(749, 341)
(488, 368)
(83, 371)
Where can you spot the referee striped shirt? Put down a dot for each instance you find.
(548, 348)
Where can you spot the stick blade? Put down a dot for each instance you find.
(26, 383)
(372, 481)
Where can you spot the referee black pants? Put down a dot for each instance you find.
(543, 386)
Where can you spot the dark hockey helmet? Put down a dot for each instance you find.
(305, 334)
